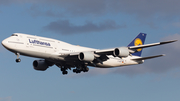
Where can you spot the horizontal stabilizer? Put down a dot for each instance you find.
(150, 45)
(150, 57)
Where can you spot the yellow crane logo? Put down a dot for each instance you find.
(138, 42)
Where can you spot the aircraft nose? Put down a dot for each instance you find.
(4, 42)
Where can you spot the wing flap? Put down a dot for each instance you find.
(150, 57)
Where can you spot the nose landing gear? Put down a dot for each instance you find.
(18, 59)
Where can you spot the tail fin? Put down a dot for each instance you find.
(139, 40)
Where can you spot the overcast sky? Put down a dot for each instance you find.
(97, 24)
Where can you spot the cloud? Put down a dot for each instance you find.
(150, 13)
(146, 7)
(142, 8)
(6, 99)
(65, 27)
(74, 7)
(43, 10)
(8, 2)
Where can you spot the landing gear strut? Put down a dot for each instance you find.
(18, 59)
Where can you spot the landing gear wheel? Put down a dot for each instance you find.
(18, 60)
(62, 69)
(87, 69)
(64, 72)
(74, 70)
(78, 71)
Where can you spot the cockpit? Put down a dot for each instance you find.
(14, 35)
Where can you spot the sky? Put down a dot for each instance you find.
(97, 24)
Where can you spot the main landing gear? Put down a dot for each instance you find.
(78, 69)
(18, 59)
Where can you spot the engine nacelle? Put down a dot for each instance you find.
(121, 52)
(86, 56)
(40, 65)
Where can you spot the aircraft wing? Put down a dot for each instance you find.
(105, 52)
(150, 45)
(150, 57)
(102, 55)
(96, 52)
(110, 51)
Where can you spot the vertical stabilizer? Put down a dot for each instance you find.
(139, 40)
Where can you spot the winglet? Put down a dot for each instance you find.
(168, 42)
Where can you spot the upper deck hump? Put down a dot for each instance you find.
(50, 40)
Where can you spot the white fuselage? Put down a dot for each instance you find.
(47, 48)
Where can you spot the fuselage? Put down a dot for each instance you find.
(53, 50)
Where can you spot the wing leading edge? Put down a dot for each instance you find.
(150, 45)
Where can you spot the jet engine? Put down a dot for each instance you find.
(86, 56)
(121, 52)
(40, 65)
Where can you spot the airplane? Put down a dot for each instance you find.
(67, 56)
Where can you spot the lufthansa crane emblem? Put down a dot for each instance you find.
(138, 42)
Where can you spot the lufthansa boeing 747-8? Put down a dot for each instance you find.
(66, 56)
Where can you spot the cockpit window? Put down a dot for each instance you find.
(14, 35)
